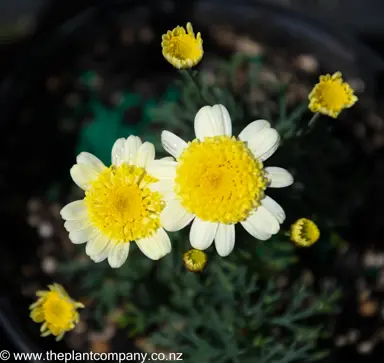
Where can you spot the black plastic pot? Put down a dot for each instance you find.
(39, 150)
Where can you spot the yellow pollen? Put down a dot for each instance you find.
(121, 205)
(304, 232)
(219, 179)
(181, 47)
(331, 95)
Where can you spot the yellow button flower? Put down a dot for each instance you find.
(331, 95)
(56, 310)
(195, 260)
(219, 180)
(182, 48)
(304, 232)
(120, 205)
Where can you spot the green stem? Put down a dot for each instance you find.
(190, 75)
(313, 119)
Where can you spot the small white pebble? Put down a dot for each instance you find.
(307, 63)
(248, 46)
(33, 204)
(369, 259)
(357, 84)
(33, 220)
(80, 328)
(380, 260)
(340, 341)
(49, 265)
(365, 347)
(45, 230)
(353, 335)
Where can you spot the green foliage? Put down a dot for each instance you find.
(228, 314)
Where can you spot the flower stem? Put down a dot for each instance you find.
(313, 119)
(191, 76)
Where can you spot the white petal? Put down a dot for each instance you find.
(264, 143)
(225, 239)
(172, 143)
(156, 246)
(103, 255)
(132, 145)
(145, 154)
(273, 207)
(118, 254)
(252, 129)
(202, 234)
(261, 224)
(162, 169)
(83, 235)
(91, 161)
(174, 216)
(74, 210)
(165, 187)
(278, 177)
(77, 224)
(212, 121)
(118, 151)
(97, 245)
(82, 175)
(168, 158)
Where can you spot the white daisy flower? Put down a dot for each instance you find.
(119, 205)
(219, 180)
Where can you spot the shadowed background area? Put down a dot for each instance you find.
(59, 61)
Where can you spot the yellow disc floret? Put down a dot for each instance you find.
(121, 205)
(56, 310)
(182, 48)
(331, 95)
(219, 179)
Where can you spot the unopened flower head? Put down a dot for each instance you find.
(195, 260)
(120, 205)
(304, 232)
(182, 48)
(331, 95)
(219, 180)
(56, 311)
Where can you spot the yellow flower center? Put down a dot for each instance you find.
(304, 232)
(219, 179)
(331, 95)
(184, 47)
(121, 205)
(195, 260)
(58, 311)
(181, 47)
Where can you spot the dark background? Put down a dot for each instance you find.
(23, 19)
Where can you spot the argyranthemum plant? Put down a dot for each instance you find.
(56, 310)
(119, 205)
(219, 180)
(182, 48)
(331, 95)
